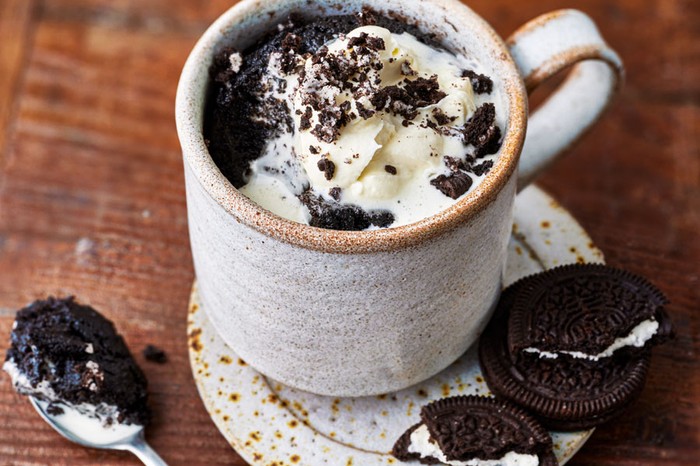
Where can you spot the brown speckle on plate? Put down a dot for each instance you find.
(194, 339)
(225, 359)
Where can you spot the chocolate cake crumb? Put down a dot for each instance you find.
(481, 84)
(327, 167)
(347, 217)
(154, 354)
(390, 169)
(367, 16)
(291, 42)
(453, 185)
(77, 353)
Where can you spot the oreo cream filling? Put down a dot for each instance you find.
(426, 447)
(638, 336)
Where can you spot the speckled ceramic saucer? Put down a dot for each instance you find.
(270, 424)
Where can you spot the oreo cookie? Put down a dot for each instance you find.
(587, 311)
(465, 428)
(402, 448)
(564, 390)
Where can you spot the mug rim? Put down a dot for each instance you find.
(189, 115)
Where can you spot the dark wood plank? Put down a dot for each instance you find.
(93, 205)
(92, 202)
(15, 30)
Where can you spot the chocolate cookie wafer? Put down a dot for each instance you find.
(402, 448)
(567, 392)
(464, 428)
(586, 311)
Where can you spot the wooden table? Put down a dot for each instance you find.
(92, 201)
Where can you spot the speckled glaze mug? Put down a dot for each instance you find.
(360, 313)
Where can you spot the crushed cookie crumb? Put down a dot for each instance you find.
(406, 100)
(364, 112)
(481, 84)
(305, 120)
(441, 117)
(327, 167)
(334, 193)
(406, 69)
(453, 185)
(482, 168)
(481, 131)
(365, 40)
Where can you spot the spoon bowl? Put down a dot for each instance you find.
(90, 432)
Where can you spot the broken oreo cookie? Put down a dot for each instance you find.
(474, 428)
(567, 392)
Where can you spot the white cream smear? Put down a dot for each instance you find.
(94, 422)
(88, 427)
(638, 336)
(421, 444)
(380, 160)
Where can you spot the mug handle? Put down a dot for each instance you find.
(541, 48)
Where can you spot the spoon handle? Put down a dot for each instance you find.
(145, 453)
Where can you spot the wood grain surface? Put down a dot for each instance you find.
(92, 202)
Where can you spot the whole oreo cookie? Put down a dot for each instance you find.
(586, 311)
(565, 393)
(465, 428)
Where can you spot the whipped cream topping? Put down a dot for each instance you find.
(426, 447)
(638, 336)
(374, 114)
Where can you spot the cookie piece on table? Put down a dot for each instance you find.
(478, 431)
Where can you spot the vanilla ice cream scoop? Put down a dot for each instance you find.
(365, 103)
(381, 122)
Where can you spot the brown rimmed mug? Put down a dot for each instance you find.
(367, 312)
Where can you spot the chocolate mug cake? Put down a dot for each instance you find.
(417, 293)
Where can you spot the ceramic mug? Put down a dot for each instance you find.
(351, 313)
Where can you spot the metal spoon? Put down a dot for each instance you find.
(129, 438)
